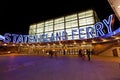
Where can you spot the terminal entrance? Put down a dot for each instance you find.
(55, 49)
(67, 49)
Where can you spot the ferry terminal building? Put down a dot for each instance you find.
(66, 35)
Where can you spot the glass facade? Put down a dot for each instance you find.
(67, 23)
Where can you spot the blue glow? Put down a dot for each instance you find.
(2, 37)
(108, 23)
(64, 35)
(89, 32)
(20, 39)
(7, 37)
(58, 36)
(112, 33)
(52, 37)
(35, 38)
(44, 37)
(99, 29)
(73, 34)
(25, 38)
(81, 33)
(30, 38)
(15, 37)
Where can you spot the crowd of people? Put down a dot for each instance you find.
(82, 53)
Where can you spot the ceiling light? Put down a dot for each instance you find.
(119, 6)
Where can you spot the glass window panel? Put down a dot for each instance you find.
(32, 31)
(59, 20)
(69, 31)
(59, 26)
(49, 33)
(76, 32)
(39, 30)
(89, 11)
(33, 26)
(49, 28)
(40, 25)
(71, 17)
(82, 22)
(38, 35)
(50, 22)
(90, 20)
(81, 15)
(86, 14)
(58, 31)
(86, 21)
(89, 14)
(71, 24)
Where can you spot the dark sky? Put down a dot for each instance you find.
(17, 15)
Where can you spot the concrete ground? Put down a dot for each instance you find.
(59, 68)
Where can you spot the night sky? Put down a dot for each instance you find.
(17, 15)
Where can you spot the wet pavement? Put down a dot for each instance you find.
(59, 68)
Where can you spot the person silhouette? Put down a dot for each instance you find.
(80, 54)
(83, 54)
(88, 54)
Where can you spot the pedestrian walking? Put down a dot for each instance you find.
(88, 54)
(83, 54)
(51, 53)
(80, 53)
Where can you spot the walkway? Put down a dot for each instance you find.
(59, 68)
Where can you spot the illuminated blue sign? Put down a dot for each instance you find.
(89, 32)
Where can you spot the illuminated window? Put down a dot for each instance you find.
(39, 30)
(86, 21)
(49, 28)
(49, 34)
(59, 26)
(82, 22)
(85, 14)
(76, 32)
(50, 22)
(59, 20)
(58, 31)
(33, 26)
(81, 15)
(69, 31)
(71, 17)
(71, 24)
(89, 13)
(40, 25)
(32, 31)
(90, 20)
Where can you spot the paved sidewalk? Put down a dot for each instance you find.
(59, 68)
